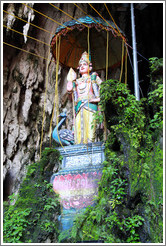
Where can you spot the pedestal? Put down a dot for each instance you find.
(77, 181)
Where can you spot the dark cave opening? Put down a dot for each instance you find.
(7, 186)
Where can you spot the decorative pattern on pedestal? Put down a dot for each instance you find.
(77, 181)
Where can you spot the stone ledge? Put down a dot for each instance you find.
(82, 155)
(81, 148)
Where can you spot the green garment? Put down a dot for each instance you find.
(84, 103)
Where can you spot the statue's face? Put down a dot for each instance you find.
(83, 68)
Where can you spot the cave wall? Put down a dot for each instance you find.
(24, 81)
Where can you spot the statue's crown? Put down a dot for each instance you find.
(84, 57)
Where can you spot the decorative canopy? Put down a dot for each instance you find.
(74, 41)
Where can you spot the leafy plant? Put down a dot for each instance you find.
(155, 64)
(32, 218)
(15, 224)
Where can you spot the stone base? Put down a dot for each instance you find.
(77, 181)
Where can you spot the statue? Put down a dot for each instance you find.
(86, 98)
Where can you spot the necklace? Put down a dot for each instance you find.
(82, 84)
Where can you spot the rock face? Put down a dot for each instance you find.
(29, 89)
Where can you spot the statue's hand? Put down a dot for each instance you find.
(69, 86)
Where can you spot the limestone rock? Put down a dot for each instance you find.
(27, 104)
(29, 91)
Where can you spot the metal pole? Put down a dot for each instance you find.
(136, 78)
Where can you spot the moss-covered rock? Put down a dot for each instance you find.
(37, 207)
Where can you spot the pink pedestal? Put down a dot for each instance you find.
(77, 190)
(77, 181)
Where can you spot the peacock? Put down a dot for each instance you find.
(66, 136)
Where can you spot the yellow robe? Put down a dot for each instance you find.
(85, 127)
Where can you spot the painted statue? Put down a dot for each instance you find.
(86, 93)
(63, 136)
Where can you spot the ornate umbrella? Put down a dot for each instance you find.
(74, 42)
